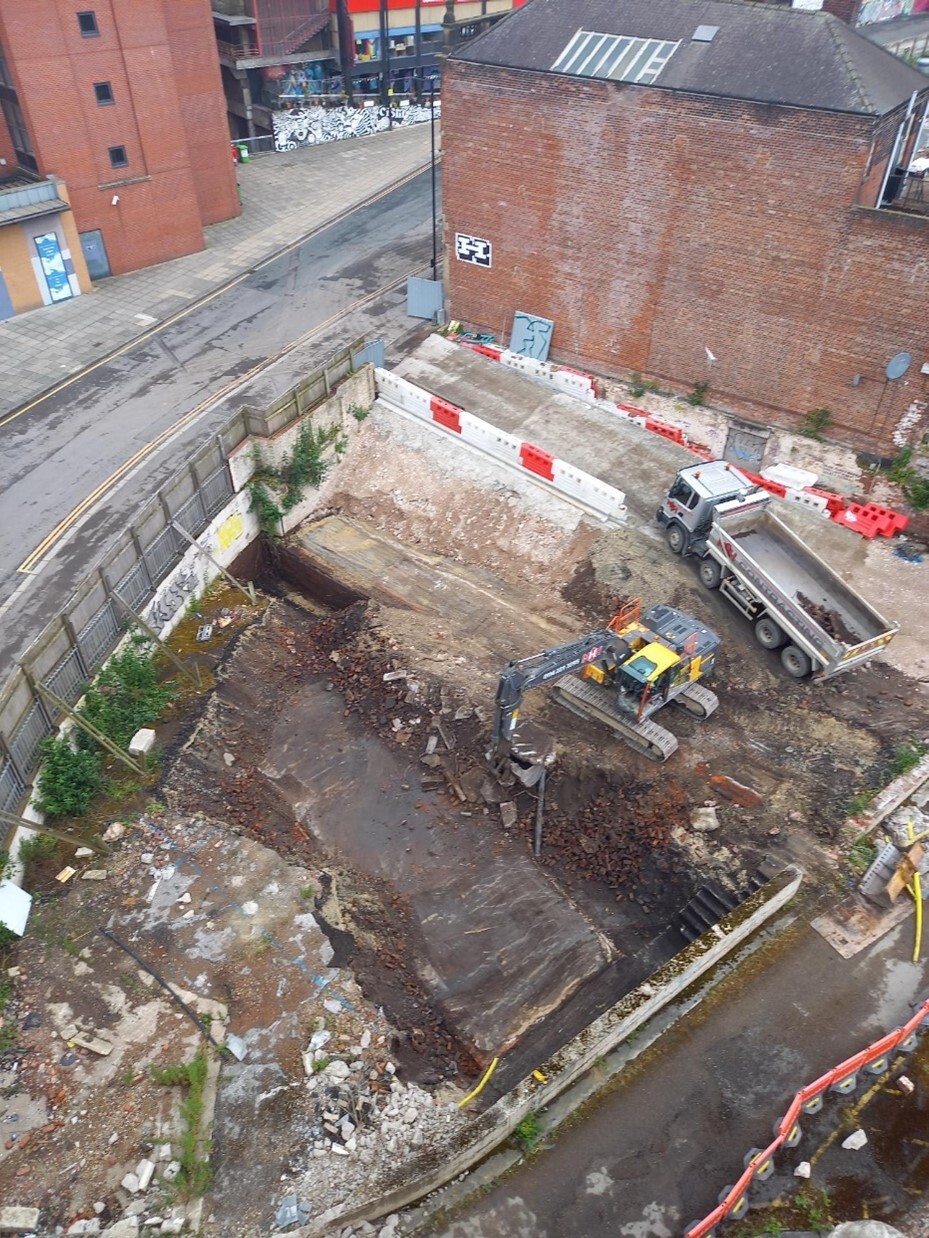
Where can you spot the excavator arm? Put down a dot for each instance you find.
(520, 676)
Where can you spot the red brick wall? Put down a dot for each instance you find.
(846, 9)
(651, 225)
(203, 107)
(161, 208)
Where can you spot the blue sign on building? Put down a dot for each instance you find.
(53, 267)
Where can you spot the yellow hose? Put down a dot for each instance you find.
(480, 1087)
(916, 890)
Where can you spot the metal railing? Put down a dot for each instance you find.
(74, 646)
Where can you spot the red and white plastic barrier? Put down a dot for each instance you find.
(598, 495)
(840, 1079)
(785, 481)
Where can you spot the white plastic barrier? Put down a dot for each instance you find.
(526, 365)
(405, 395)
(489, 438)
(575, 384)
(815, 501)
(595, 494)
(591, 491)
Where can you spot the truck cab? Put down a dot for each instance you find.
(697, 490)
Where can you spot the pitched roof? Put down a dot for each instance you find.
(761, 52)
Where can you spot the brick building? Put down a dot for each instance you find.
(122, 100)
(698, 191)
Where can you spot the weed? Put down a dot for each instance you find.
(69, 778)
(268, 513)
(308, 892)
(7, 1026)
(859, 803)
(128, 1078)
(196, 1174)
(861, 854)
(154, 807)
(905, 758)
(359, 413)
(121, 788)
(813, 1206)
(911, 481)
(5, 864)
(306, 466)
(698, 394)
(637, 387)
(320, 1066)
(529, 1131)
(816, 422)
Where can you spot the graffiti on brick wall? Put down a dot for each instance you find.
(308, 126)
(169, 601)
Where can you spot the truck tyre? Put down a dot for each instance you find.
(768, 634)
(795, 662)
(677, 538)
(710, 573)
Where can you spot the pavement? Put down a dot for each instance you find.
(285, 197)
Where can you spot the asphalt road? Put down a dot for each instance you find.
(654, 1153)
(66, 446)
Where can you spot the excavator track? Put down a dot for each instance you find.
(697, 700)
(589, 701)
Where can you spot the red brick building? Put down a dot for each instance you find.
(699, 191)
(122, 99)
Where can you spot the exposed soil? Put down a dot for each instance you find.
(829, 620)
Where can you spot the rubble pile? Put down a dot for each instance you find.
(620, 837)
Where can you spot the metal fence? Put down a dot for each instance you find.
(74, 646)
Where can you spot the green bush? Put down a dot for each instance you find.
(637, 387)
(126, 695)
(68, 779)
(268, 512)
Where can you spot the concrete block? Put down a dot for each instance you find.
(142, 742)
(18, 1220)
(144, 1172)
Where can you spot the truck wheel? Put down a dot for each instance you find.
(710, 573)
(677, 539)
(768, 634)
(795, 662)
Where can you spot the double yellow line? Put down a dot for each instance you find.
(211, 296)
(30, 563)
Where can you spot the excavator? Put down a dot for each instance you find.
(626, 672)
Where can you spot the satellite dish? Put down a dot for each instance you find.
(897, 366)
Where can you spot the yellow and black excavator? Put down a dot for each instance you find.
(626, 672)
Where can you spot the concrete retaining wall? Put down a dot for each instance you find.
(438, 1166)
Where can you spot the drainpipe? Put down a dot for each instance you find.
(346, 48)
(418, 53)
(385, 56)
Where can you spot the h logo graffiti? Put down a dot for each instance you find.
(473, 249)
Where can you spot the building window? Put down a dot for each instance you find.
(104, 92)
(19, 134)
(5, 77)
(118, 157)
(87, 24)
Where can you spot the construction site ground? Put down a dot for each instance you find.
(351, 867)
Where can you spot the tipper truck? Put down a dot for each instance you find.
(797, 603)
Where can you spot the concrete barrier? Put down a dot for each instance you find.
(599, 496)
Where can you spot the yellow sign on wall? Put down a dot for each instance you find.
(229, 530)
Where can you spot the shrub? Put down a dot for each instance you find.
(68, 779)
(126, 695)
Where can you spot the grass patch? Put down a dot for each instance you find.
(816, 423)
(905, 758)
(698, 394)
(861, 854)
(196, 1174)
(859, 803)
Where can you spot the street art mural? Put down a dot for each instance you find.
(308, 126)
(886, 10)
